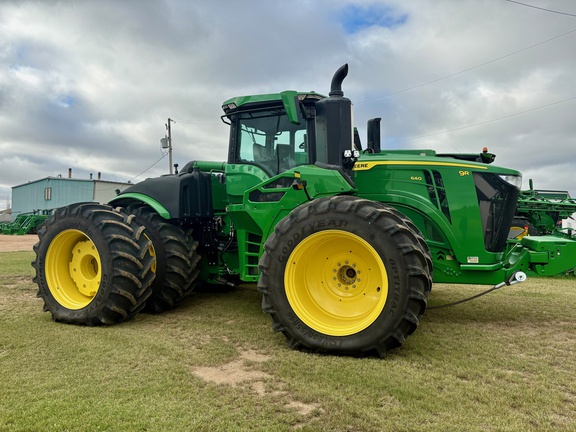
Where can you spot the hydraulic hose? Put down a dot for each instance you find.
(515, 278)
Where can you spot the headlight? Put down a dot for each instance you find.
(514, 180)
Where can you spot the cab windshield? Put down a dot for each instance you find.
(268, 139)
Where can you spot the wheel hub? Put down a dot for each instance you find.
(84, 268)
(347, 275)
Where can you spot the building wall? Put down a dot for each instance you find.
(104, 191)
(50, 193)
(54, 192)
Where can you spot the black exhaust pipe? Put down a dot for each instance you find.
(336, 86)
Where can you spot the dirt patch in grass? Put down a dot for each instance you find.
(234, 372)
(16, 243)
(244, 372)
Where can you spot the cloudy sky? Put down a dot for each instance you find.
(89, 85)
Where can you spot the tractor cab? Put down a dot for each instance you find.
(271, 132)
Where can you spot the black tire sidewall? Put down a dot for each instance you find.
(143, 217)
(176, 258)
(389, 319)
(99, 302)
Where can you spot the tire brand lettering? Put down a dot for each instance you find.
(396, 285)
(324, 340)
(311, 227)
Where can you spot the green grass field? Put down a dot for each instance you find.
(504, 362)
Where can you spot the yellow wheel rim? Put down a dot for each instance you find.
(152, 253)
(336, 283)
(73, 269)
(518, 232)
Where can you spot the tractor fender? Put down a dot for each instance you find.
(127, 198)
(181, 196)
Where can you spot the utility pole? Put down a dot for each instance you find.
(169, 143)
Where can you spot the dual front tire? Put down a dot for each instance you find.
(93, 265)
(98, 265)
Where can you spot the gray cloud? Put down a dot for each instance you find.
(90, 85)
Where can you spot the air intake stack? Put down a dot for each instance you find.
(334, 128)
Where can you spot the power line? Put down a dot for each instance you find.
(544, 9)
(166, 154)
(198, 123)
(466, 70)
(162, 157)
(486, 121)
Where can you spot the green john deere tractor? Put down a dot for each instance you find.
(344, 242)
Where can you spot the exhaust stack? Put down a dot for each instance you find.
(336, 85)
(334, 129)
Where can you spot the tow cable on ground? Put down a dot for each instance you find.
(515, 278)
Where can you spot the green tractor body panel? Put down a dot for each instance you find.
(549, 255)
(266, 203)
(289, 99)
(450, 201)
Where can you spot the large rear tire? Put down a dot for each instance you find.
(344, 275)
(176, 259)
(93, 265)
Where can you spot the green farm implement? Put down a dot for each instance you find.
(344, 242)
(25, 223)
(540, 212)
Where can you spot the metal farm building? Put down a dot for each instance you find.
(53, 192)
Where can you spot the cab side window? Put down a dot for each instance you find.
(270, 141)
